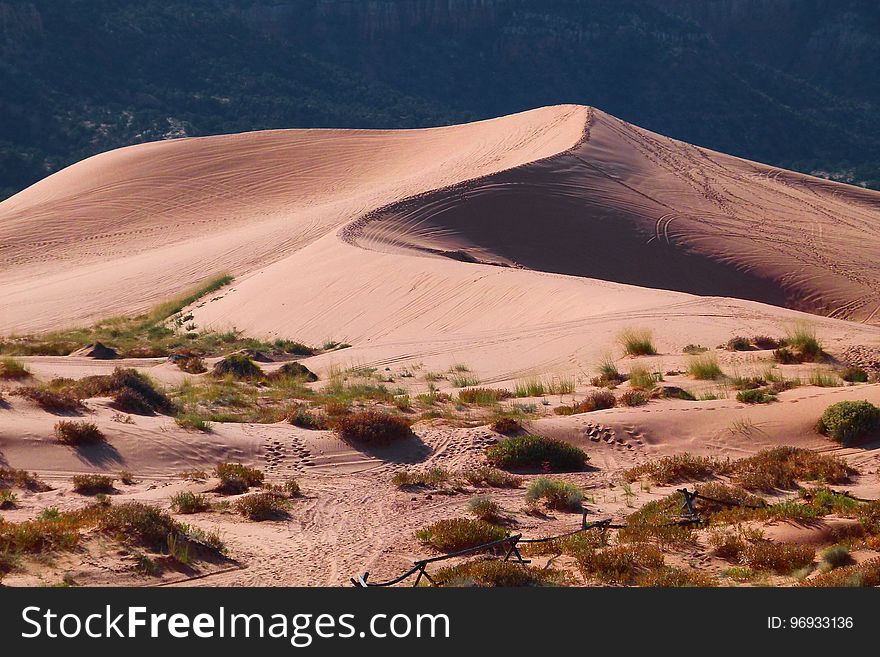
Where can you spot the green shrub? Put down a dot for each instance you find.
(77, 433)
(847, 421)
(373, 428)
(801, 337)
(783, 467)
(756, 396)
(263, 506)
(559, 495)
(294, 370)
(835, 556)
(237, 478)
(138, 523)
(637, 342)
(705, 368)
(239, 366)
(193, 422)
(93, 484)
(187, 502)
(305, 419)
(131, 401)
(506, 426)
(536, 452)
(459, 534)
(12, 369)
(679, 468)
(620, 564)
(426, 478)
(854, 375)
(291, 487)
(865, 574)
(641, 379)
(8, 499)
(533, 387)
(497, 573)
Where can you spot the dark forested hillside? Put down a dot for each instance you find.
(790, 82)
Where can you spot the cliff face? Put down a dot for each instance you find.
(790, 82)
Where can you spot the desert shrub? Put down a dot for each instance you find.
(293, 370)
(536, 452)
(239, 366)
(728, 545)
(8, 499)
(725, 493)
(148, 526)
(127, 381)
(12, 369)
(373, 428)
(824, 378)
(781, 558)
(634, 398)
(40, 535)
(865, 574)
(694, 349)
(739, 343)
(620, 564)
(305, 419)
(677, 468)
(847, 421)
(424, 478)
(656, 521)
(484, 476)
(506, 426)
(21, 479)
(484, 508)
(460, 534)
(237, 478)
(854, 375)
(128, 400)
(291, 487)
(192, 364)
(705, 368)
(609, 375)
(637, 342)
(573, 545)
(673, 577)
(59, 402)
(835, 556)
(262, 506)
(641, 379)
(869, 517)
(558, 494)
(193, 422)
(187, 502)
(756, 396)
(497, 573)
(673, 392)
(463, 380)
(78, 433)
(595, 401)
(93, 484)
(483, 396)
(765, 342)
(783, 467)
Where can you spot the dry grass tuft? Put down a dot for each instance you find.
(78, 433)
(459, 534)
(373, 428)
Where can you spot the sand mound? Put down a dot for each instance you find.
(97, 351)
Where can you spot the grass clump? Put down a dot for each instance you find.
(557, 494)
(673, 577)
(780, 558)
(533, 387)
(77, 433)
(8, 499)
(93, 484)
(836, 556)
(756, 396)
(634, 398)
(484, 508)
(187, 502)
(238, 366)
(421, 479)
(705, 368)
(486, 477)
(12, 369)
(641, 379)
(783, 467)
(530, 451)
(866, 574)
(637, 342)
(847, 421)
(483, 396)
(678, 468)
(460, 534)
(373, 428)
(263, 506)
(236, 478)
(305, 419)
(463, 380)
(496, 573)
(801, 338)
(192, 421)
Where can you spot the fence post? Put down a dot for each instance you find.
(687, 506)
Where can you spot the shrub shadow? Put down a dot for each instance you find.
(100, 454)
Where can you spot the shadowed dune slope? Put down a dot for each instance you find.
(631, 206)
